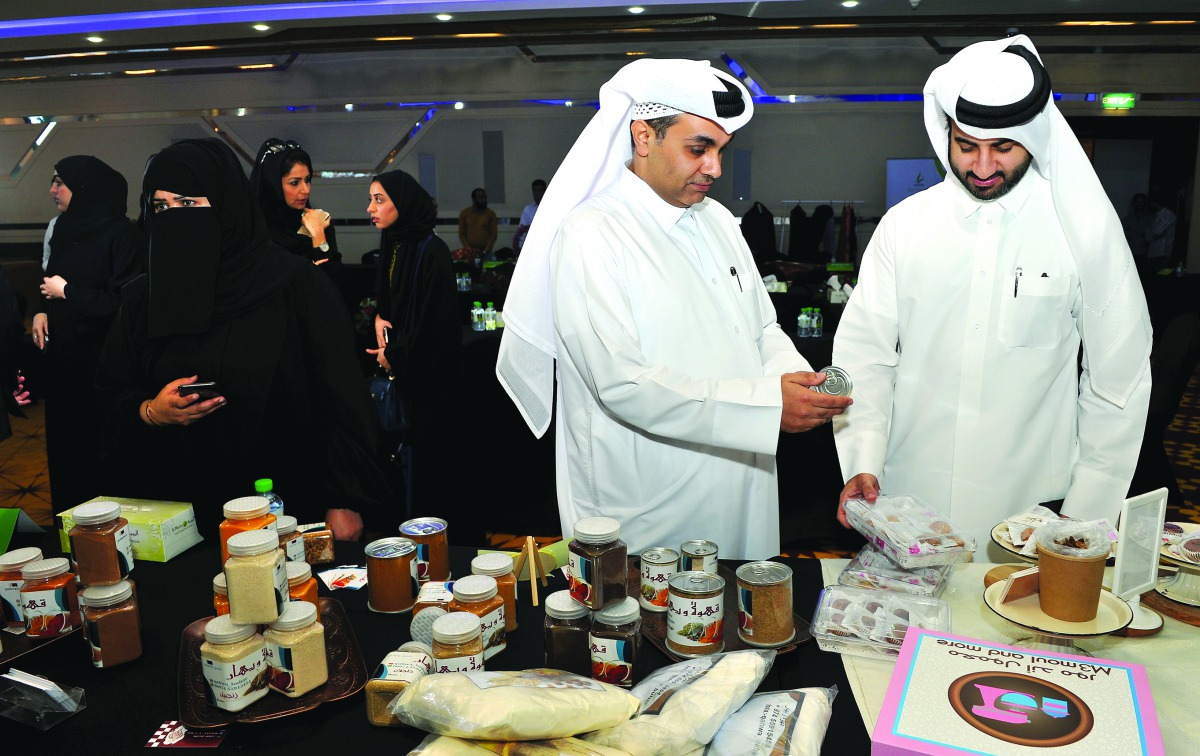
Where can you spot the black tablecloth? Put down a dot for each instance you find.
(128, 703)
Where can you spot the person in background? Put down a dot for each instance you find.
(417, 330)
(221, 304)
(964, 332)
(95, 250)
(282, 181)
(1136, 225)
(1160, 237)
(12, 383)
(478, 226)
(539, 189)
(674, 378)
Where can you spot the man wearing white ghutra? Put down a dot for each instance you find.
(674, 379)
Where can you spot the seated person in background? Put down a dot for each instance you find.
(282, 181)
(539, 190)
(221, 303)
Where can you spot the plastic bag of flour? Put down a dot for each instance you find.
(784, 723)
(444, 745)
(683, 705)
(534, 704)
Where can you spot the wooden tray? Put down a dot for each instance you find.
(654, 624)
(347, 676)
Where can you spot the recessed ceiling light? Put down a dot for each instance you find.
(636, 9)
(849, 3)
(349, 107)
(458, 106)
(260, 27)
(443, 17)
(141, 71)
(95, 39)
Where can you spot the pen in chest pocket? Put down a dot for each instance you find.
(1016, 281)
(733, 272)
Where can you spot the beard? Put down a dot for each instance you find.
(1006, 185)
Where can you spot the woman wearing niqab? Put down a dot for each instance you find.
(95, 250)
(221, 303)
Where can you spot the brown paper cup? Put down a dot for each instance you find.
(1069, 587)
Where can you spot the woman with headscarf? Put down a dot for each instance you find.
(222, 304)
(94, 251)
(282, 181)
(417, 328)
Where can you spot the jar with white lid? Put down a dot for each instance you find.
(101, 547)
(11, 582)
(567, 626)
(597, 562)
(220, 594)
(500, 567)
(302, 586)
(457, 643)
(291, 540)
(479, 595)
(614, 641)
(295, 646)
(49, 598)
(256, 577)
(395, 673)
(236, 672)
(110, 623)
(243, 514)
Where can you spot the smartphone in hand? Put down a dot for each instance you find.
(207, 390)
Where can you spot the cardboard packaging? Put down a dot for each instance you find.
(951, 695)
(1069, 587)
(159, 530)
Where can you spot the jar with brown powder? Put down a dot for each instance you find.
(596, 560)
(100, 543)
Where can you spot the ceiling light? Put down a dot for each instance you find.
(260, 27)
(393, 39)
(95, 39)
(568, 103)
(241, 112)
(635, 53)
(849, 3)
(443, 17)
(35, 119)
(141, 71)
(45, 133)
(255, 66)
(349, 107)
(637, 9)
(193, 48)
(458, 106)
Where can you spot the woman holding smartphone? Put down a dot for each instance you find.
(282, 181)
(223, 305)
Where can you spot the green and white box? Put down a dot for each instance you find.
(159, 530)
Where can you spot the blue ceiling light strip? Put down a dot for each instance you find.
(756, 90)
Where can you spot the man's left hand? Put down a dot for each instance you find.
(346, 524)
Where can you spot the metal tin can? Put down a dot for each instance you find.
(391, 575)
(695, 614)
(698, 556)
(837, 382)
(764, 591)
(431, 535)
(658, 565)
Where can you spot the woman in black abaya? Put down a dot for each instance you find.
(418, 333)
(95, 250)
(282, 181)
(221, 303)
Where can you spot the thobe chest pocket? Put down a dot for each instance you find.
(1039, 315)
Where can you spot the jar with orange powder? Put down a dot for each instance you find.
(244, 514)
(49, 598)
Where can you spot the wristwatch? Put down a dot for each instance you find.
(323, 246)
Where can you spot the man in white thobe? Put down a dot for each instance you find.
(674, 379)
(962, 337)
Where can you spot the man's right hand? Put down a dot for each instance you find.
(861, 486)
(805, 409)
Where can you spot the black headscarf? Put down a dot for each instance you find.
(266, 178)
(98, 198)
(209, 263)
(417, 215)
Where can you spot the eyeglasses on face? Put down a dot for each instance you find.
(275, 146)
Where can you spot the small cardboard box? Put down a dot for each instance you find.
(159, 530)
(954, 695)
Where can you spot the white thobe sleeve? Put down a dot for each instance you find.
(865, 346)
(595, 322)
(1110, 439)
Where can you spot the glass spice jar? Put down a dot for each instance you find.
(302, 586)
(244, 514)
(391, 575)
(658, 565)
(220, 594)
(11, 581)
(431, 536)
(101, 548)
(695, 613)
(765, 604)
(457, 643)
(567, 626)
(290, 539)
(614, 640)
(110, 623)
(295, 645)
(49, 598)
(479, 595)
(236, 672)
(256, 577)
(395, 673)
(500, 567)
(596, 557)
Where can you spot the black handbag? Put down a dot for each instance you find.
(395, 414)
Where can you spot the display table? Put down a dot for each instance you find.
(1170, 657)
(128, 703)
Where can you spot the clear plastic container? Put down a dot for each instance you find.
(101, 547)
(49, 598)
(567, 626)
(596, 559)
(266, 489)
(11, 581)
(614, 640)
(908, 532)
(457, 643)
(236, 672)
(500, 567)
(256, 577)
(302, 586)
(479, 595)
(244, 514)
(872, 569)
(110, 623)
(291, 540)
(220, 594)
(295, 646)
(863, 622)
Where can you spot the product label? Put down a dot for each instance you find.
(612, 660)
(700, 563)
(10, 601)
(281, 585)
(469, 663)
(695, 622)
(403, 666)
(294, 548)
(436, 593)
(492, 627)
(229, 684)
(124, 544)
(531, 678)
(421, 562)
(46, 612)
(654, 586)
(91, 632)
(582, 574)
(279, 659)
(746, 611)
